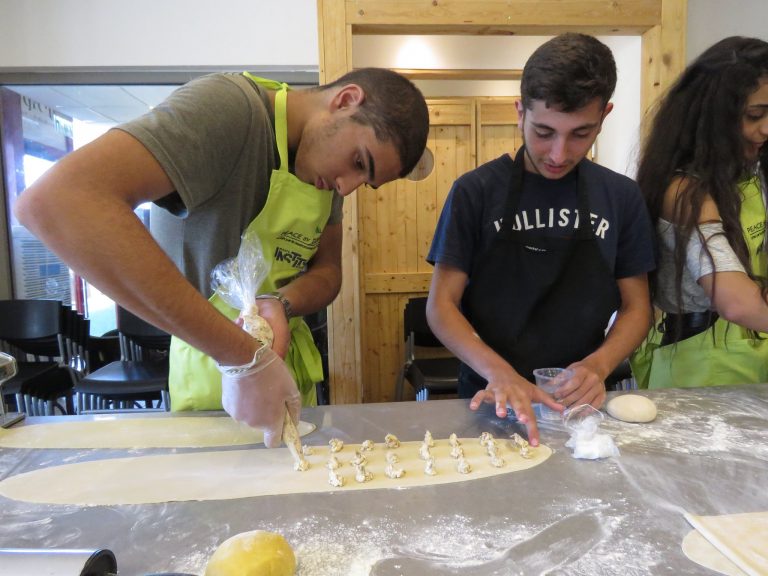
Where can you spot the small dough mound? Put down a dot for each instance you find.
(255, 553)
(632, 408)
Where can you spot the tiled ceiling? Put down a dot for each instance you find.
(98, 104)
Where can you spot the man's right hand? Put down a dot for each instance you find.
(260, 394)
(517, 393)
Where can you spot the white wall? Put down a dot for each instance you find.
(120, 33)
(280, 33)
(713, 20)
(51, 33)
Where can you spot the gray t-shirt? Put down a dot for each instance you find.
(697, 264)
(215, 139)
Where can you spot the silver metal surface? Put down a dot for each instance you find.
(706, 454)
(8, 369)
(8, 419)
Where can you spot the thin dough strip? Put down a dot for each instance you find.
(159, 432)
(229, 474)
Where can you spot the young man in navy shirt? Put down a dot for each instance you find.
(534, 254)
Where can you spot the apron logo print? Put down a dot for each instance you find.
(756, 230)
(535, 249)
(295, 259)
(300, 240)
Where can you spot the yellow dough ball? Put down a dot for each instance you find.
(255, 553)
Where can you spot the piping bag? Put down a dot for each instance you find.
(237, 281)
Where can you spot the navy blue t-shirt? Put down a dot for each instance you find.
(474, 211)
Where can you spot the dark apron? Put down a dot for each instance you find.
(537, 301)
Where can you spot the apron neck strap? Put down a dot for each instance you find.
(281, 115)
(585, 220)
(764, 194)
(517, 175)
(266, 82)
(514, 194)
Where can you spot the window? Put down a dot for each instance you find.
(40, 125)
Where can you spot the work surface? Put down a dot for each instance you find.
(706, 453)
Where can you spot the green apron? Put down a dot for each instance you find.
(725, 354)
(289, 228)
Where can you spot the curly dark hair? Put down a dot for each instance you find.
(695, 135)
(568, 72)
(395, 109)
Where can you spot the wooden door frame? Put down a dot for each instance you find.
(661, 25)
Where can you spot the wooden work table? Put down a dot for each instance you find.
(706, 453)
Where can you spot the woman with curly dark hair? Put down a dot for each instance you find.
(702, 173)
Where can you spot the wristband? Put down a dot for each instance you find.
(287, 308)
(235, 370)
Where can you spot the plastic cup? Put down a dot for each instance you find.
(582, 416)
(549, 380)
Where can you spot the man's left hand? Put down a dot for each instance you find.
(586, 387)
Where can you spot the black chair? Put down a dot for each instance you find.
(77, 338)
(38, 333)
(428, 376)
(102, 350)
(138, 380)
(621, 377)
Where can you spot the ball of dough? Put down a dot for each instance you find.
(255, 553)
(632, 408)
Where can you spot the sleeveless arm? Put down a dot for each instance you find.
(733, 294)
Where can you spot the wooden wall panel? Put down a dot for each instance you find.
(455, 123)
(426, 202)
(494, 16)
(663, 52)
(498, 132)
(384, 360)
(497, 140)
(344, 315)
(372, 347)
(407, 216)
(396, 226)
(333, 37)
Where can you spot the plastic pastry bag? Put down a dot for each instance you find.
(238, 280)
(262, 393)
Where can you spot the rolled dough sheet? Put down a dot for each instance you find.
(233, 474)
(111, 432)
(699, 550)
(739, 537)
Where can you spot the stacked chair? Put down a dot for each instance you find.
(47, 340)
(138, 380)
(427, 375)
